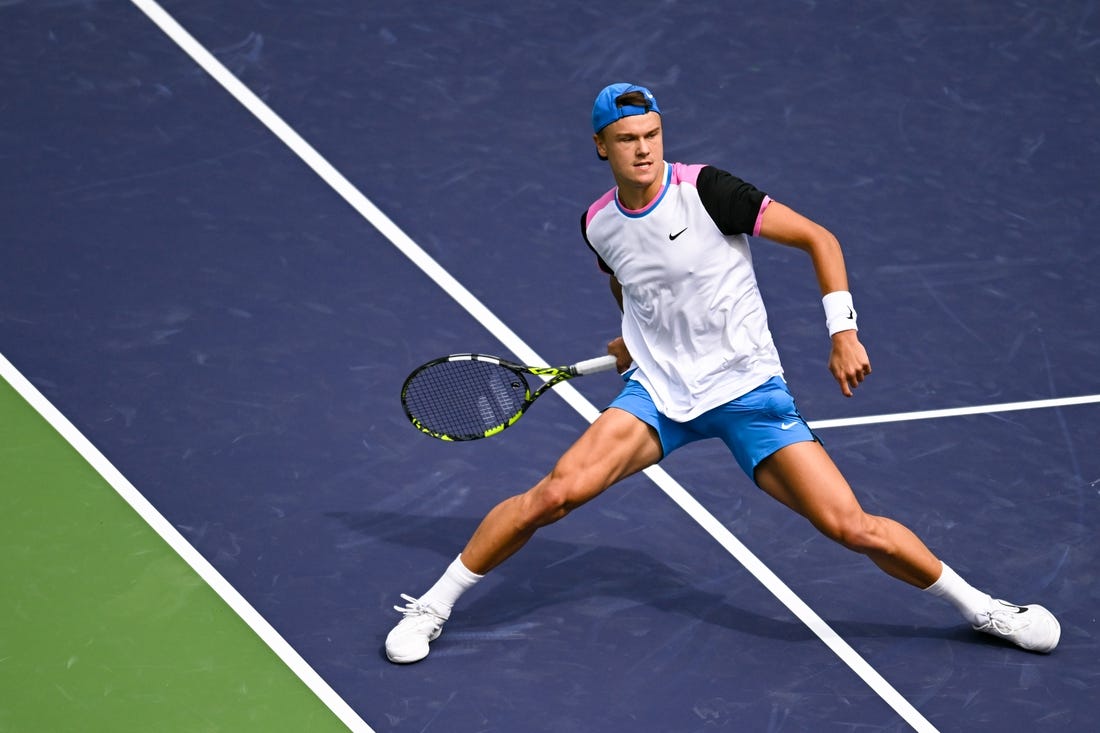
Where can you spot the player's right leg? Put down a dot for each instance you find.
(615, 446)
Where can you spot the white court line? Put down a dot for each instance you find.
(527, 355)
(955, 412)
(182, 547)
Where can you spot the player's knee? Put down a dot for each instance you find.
(858, 532)
(548, 502)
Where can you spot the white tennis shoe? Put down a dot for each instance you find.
(408, 641)
(1030, 627)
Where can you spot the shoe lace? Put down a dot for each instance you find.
(414, 608)
(1002, 622)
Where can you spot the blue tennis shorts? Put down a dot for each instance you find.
(753, 426)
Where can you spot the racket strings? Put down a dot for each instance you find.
(464, 399)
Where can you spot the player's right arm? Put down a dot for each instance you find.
(617, 347)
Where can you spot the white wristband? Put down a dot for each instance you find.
(840, 315)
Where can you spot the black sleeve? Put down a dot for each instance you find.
(584, 233)
(732, 203)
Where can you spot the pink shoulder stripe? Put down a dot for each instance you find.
(601, 203)
(760, 215)
(682, 173)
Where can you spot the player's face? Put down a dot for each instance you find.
(634, 147)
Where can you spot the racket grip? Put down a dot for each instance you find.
(591, 366)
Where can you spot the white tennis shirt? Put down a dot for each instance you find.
(693, 318)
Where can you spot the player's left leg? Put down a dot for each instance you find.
(804, 477)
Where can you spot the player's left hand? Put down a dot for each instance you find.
(848, 361)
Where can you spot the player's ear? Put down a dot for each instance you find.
(601, 149)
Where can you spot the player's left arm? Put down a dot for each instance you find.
(848, 361)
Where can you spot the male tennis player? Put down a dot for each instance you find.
(699, 362)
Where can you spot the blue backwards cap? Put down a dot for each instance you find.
(605, 111)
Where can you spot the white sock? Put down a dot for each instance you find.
(969, 600)
(445, 593)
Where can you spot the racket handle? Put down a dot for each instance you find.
(591, 366)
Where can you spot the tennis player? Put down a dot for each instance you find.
(699, 362)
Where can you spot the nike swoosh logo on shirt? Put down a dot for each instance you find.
(787, 425)
(673, 236)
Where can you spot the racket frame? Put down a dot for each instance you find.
(551, 375)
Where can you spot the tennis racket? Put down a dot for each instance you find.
(472, 396)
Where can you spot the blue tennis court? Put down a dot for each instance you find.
(224, 302)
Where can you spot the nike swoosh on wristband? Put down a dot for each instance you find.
(673, 236)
